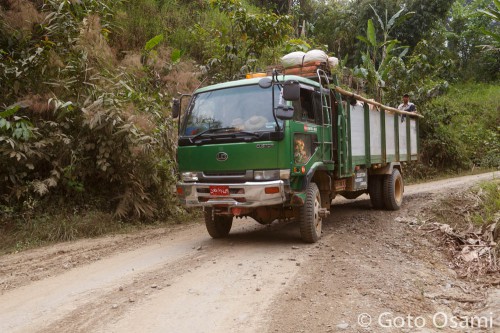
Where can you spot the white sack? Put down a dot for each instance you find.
(292, 59)
(315, 55)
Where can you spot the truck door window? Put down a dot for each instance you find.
(303, 147)
(306, 108)
(317, 107)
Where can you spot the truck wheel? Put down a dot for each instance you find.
(375, 188)
(393, 190)
(218, 226)
(310, 219)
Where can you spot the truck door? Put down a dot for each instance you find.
(306, 127)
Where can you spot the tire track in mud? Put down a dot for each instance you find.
(191, 274)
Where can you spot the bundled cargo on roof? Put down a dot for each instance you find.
(306, 64)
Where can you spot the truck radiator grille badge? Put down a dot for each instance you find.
(221, 156)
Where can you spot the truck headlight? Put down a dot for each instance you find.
(271, 174)
(189, 176)
(266, 175)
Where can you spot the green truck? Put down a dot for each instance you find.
(284, 146)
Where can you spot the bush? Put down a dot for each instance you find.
(460, 129)
(77, 127)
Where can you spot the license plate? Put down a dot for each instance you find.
(219, 190)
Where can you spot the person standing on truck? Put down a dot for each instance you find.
(406, 106)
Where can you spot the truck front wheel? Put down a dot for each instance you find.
(310, 219)
(393, 190)
(218, 226)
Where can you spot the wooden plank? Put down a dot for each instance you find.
(382, 106)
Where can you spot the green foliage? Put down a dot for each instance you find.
(429, 14)
(176, 55)
(464, 42)
(494, 14)
(375, 62)
(140, 21)
(460, 129)
(417, 76)
(102, 134)
(237, 47)
(153, 42)
(55, 227)
(489, 210)
(19, 128)
(150, 46)
(335, 24)
(76, 125)
(296, 44)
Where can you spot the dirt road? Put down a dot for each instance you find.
(371, 271)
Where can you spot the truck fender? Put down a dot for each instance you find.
(387, 169)
(299, 198)
(310, 175)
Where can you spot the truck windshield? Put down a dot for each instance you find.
(237, 109)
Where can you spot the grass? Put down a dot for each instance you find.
(22, 233)
(460, 129)
(489, 196)
(468, 96)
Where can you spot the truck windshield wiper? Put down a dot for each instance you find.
(231, 131)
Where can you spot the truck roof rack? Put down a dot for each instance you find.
(308, 70)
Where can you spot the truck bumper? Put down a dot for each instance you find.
(249, 194)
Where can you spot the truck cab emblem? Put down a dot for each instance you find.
(221, 156)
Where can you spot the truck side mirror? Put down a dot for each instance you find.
(176, 107)
(291, 90)
(284, 112)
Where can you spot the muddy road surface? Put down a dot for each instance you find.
(372, 271)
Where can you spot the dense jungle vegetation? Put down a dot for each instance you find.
(86, 85)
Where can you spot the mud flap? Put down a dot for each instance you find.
(298, 199)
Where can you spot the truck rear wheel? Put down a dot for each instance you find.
(310, 220)
(218, 226)
(393, 190)
(375, 188)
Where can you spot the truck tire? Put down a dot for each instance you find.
(310, 219)
(393, 190)
(375, 189)
(218, 226)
